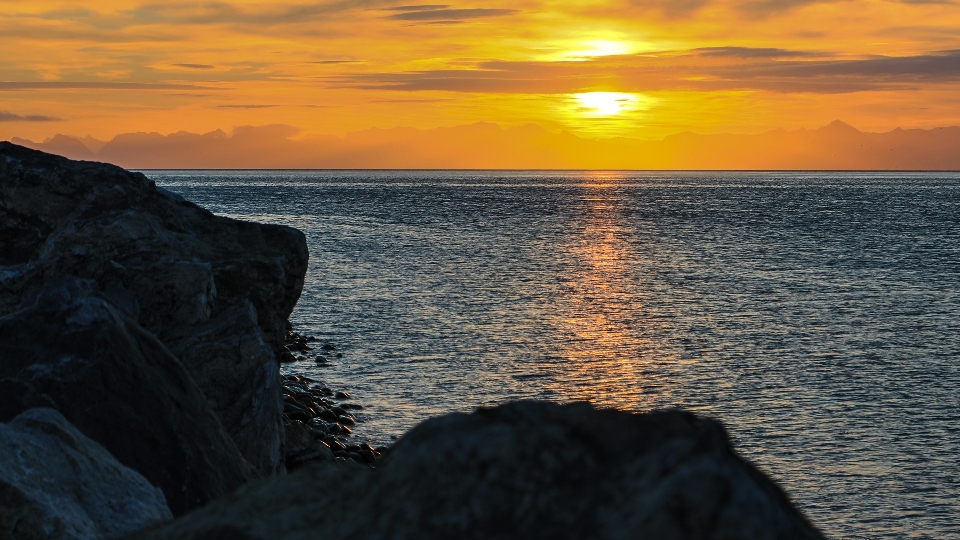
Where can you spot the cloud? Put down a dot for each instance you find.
(65, 85)
(438, 13)
(47, 32)
(195, 66)
(671, 8)
(418, 7)
(766, 8)
(226, 13)
(751, 52)
(434, 100)
(731, 68)
(7, 116)
(245, 106)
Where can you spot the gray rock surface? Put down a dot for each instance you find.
(55, 483)
(121, 387)
(526, 470)
(178, 270)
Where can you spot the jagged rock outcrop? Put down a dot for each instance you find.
(56, 484)
(523, 470)
(216, 291)
(114, 381)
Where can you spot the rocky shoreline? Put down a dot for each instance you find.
(141, 339)
(319, 421)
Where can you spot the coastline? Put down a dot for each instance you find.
(166, 325)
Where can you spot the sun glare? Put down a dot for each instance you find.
(600, 47)
(605, 103)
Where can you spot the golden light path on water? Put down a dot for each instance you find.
(609, 361)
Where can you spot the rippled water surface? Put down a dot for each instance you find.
(816, 315)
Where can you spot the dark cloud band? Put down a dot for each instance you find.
(7, 116)
(727, 68)
(94, 85)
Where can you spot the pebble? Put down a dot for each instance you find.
(368, 456)
(310, 401)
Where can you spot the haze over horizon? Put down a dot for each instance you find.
(489, 146)
(595, 70)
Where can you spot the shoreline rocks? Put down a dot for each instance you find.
(154, 328)
(319, 428)
(69, 350)
(58, 484)
(522, 470)
(216, 291)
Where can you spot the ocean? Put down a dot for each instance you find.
(817, 315)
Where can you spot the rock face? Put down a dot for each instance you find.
(120, 386)
(55, 483)
(524, 470)
(216, 291)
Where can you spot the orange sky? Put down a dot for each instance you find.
(636, 68)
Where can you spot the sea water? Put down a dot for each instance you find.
(817, 315)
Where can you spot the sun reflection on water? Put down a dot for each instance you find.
(608, 360)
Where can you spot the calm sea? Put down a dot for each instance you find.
(816, 314)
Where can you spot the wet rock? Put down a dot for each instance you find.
(58, 484)
(523, 470)
(318, 452)
(118, 385)
(298, 437)
(368, 456)
(342, 395)
(346, 420)
(336, 445)
(319, 424)
(184, 274)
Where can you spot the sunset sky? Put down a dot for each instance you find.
(635, 68)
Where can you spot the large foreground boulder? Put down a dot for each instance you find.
(175, 268)
(56, 484)
(120, 386)
(525, 470)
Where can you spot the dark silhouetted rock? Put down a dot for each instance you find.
(524, 470)
(231, 337)
(177, 269)
(120, 386)
(55, 484)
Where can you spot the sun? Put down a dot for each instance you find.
(600, 47)
(605, 103)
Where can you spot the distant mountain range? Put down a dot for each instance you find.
(836, 146)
